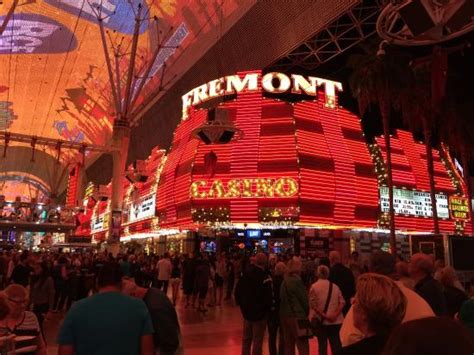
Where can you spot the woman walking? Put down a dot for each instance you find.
(60, 277)
(203, 274)
(41, 292)
(219, 278)
(189, 275)
(175, 278)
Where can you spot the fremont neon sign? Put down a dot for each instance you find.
(244, 188)
(273, 82)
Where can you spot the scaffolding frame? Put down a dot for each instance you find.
(348, 30)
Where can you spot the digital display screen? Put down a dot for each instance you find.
(253, 234)
(54, 81)
(414, 203)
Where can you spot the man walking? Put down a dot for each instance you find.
(108, 322)
(164, 268)
(253, 294)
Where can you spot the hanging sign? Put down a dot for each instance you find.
(414, 203)
(97, 224)
(459, 207)
(143, 208)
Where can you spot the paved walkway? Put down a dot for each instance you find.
(219, 332)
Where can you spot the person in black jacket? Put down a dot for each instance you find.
(421, 270)
(253, 294)
(342, 276)
(274, 317)
(21, 273)
(167, 336)
(453, 292)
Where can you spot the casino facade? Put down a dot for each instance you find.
(298, 176)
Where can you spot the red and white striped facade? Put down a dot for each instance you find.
(301, 164)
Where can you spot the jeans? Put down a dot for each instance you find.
(330, 332)
(274, 334)
(60, 296)
(254, 332)
(40, 310)
(288, 325)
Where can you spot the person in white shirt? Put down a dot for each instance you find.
(164, 268)
(324, 292)
(384, 263)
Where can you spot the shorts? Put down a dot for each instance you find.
(219, 281)
(175, 281)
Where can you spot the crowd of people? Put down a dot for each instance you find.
(98, 295)
(352, 308)
(383, 307)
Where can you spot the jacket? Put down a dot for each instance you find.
(293, 298)
(432, 291)
(253, 294)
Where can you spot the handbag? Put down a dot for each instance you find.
(317, 322)
(304, 330)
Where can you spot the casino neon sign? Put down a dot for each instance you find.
(274, 82)
(283, 187)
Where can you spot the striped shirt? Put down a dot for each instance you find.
(26, 334)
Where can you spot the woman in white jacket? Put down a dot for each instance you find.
(326, 303)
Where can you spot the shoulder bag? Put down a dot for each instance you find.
(317, 322)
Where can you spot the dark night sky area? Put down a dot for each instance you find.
(460, 81)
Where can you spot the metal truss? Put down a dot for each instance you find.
(348, 30)
(6, 137)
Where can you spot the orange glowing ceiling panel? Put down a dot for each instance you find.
(53, 77)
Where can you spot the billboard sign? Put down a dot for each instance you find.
(414, 203)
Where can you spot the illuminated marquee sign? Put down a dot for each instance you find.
(100, 223)
(272, 82)
(244, 188)
(89, 193)
(459, 207)
(414, 203)
(144, 208)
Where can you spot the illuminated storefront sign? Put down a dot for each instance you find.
(244, 188)
(459, 207)
(99, 223)
(90, 189)
(144, 208)
(414, 203)
(273, 82)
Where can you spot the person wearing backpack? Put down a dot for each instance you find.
(253, 294)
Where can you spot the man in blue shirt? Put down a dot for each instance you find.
(108, 322)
